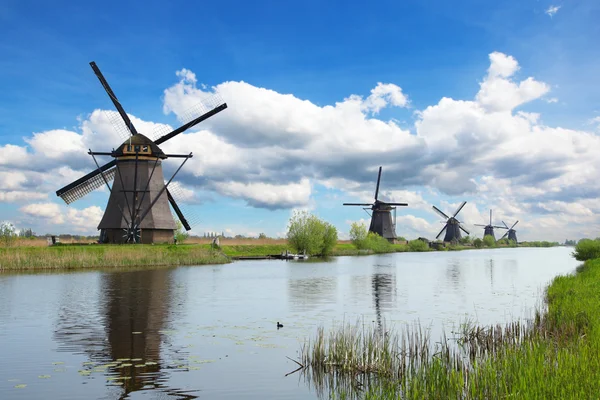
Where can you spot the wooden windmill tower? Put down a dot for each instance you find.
(512, 233)
(138, 207)
(381, 217)
(489, 228)
(452, 225)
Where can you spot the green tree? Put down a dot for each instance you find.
(8, 234)
(307, 233)
(478, 243)
(262, 236)
(358, 235)
(488, 241)
(180, 235)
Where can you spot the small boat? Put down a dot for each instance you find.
(291, 256)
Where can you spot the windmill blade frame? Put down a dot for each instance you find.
(378, 181)
(442, 231)
(459, 208)
(441, 212)
(114, 99)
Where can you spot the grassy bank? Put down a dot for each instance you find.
(554, 356)
(93, 256)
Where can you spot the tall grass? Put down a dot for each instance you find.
(89, 256)
(553, 355)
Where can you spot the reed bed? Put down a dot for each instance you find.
(94, 256)
(552, 355)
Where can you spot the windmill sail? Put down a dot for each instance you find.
(86, 184)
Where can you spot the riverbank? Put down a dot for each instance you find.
(552, 356)
(83, 256)
(101, 256)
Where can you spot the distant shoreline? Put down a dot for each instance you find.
(82, 256)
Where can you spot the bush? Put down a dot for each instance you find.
(180, 235)
(418, 245)
(8, 234)
(358, 235)
(489, 241)
(478, 243)
(465, 240)
(377, 243)
(307, 233)
(587, 249)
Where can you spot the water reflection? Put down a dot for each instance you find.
(384, 290)
(127, 344)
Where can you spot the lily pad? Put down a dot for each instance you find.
(43, 376)
(85, 372)
(58, 363)
(20, 386)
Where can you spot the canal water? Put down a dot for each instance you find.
(210, 331)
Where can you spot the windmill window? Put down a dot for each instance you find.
(140, 149)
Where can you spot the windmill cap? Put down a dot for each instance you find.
(139, 140)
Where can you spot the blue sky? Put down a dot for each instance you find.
(321, 52)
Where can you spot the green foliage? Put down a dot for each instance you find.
(180, 234)
(307, 233)
(358, 235)
(8, 235)
(478, 243)
(401, 239)
(378, 244)
(587, 249)
(466, 240)
(503, 242)
(418, 245)
(262, 236)
(488, 241)
(538, 244)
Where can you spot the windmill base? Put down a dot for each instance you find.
(148, 236)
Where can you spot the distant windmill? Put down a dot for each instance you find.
(381, 219)
(489, 229)
(512, 234)
(452, 226)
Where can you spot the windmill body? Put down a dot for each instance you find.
(452, 225)
(489, 228)
(511, 233)
(138, 181)
(381, 216)
(138, 209)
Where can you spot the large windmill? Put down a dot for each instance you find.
(489, 229)
(512, 233)
(381, 218)
(138, 206)
(452, 226)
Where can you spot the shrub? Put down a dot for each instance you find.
(358, 235)
(418, 245)
(466, 240)
(307, 233)
(587, 249)
(377, 243)
(478, 243)
(8, 234)
(180, 235)
(489, 241)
